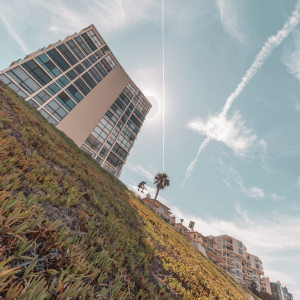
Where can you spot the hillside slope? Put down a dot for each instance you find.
(70, 230)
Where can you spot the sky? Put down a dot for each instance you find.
(246, 180)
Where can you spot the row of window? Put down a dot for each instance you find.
(39, 74)
(103, 134)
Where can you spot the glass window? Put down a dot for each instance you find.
(75, 50)
(9, 83)
(256, 260)
(139, 115)
(142, 109)
(105, 49)
(110, 61)
(86, 63)
(241, 251)
(116, 110)
(36, 72)
(48, 117)
(161, 210)
(127, 112)
(257, 266)
(128, 134)
(56, 110)
(79, 69)
(89, 42)
(117, 149)
(48, 65)
(53, 88)
(87, 151)
(131, 106)
(124, 119)
(103, 152)
(93, 143)
(71, 75)
(109, 142)
(124, 98)
(120, 104)
(131, 88)
(65, 101)
(99, 160)
(111, 117)
(71, 59)
(21, 78)
(33, 103)
(41, 97)
(92, 59)
(94, 38)
(127, 93)
(135, 100)
(74, 93)
(89, 80)
(106, 64)
(82, 45)
(95, 74)
(145, 104)
(99, 54)
(124, 143)
(135, 121)
(60, 62)
(240, 245)
(82, 86)
(114, 161)
(63, 81)
(219, 246)
(107, 167)
(132, 126)
(105, 125)
(99, 134)
(100, 69)
(219, 240)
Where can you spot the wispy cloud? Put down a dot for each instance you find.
(14, 33)
(217, 123)
(298, 182)
(146, 172)
(235, 181)
(230, 18)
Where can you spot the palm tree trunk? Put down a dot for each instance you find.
(155, 198)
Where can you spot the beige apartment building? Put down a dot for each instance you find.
(160, 209)
(79, 86)
(239, 264)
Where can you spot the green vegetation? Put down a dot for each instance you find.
(70, 230)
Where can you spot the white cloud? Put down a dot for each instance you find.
(297, 106)
(230, 18)
(232, 132)
(256, 193)
(298, 182)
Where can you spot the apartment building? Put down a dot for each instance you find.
(239, 264)
(279, 292)
(160, 209)
(79, 86)
(209, 245)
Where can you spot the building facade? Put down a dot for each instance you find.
(239, 264)
(279, 292)
(160, 209)
(79, 86)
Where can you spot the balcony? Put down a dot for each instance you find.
(228, 248)
(230, 271)
(229, 255)
(230, 263)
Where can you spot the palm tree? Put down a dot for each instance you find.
(161, 181)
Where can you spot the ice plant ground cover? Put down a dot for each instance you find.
(70, 230)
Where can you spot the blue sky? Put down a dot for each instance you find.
(246, 182)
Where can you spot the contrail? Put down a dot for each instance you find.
(163, 57)
(272, 43)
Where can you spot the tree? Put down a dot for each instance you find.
(161, 181)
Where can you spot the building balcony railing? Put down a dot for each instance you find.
(230, 263)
